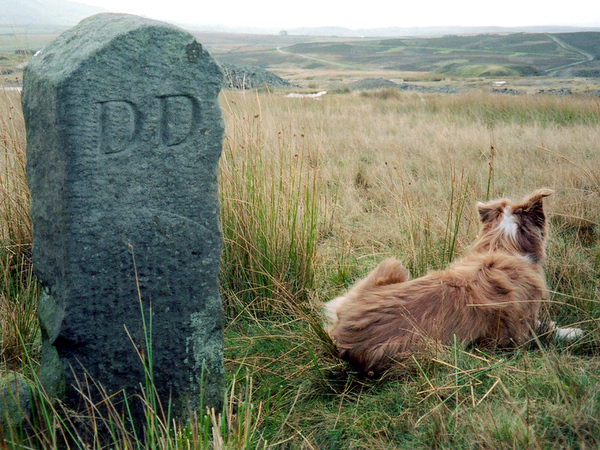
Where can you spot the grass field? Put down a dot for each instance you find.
(314, 193)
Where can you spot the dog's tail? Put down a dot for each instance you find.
(389, 271)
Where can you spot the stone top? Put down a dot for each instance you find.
(74, 47)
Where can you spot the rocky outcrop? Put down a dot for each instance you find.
(250, 77)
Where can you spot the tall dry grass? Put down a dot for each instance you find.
(18, 287)
(401, 174)
(313, 195)
(269, 211)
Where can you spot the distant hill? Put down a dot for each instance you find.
(429, 31)
(44, 12)
(511, 54)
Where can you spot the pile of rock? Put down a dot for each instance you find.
(250, 77)
(506, 90)
(370, 84)
(560, 91)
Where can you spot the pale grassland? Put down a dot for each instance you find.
(391, 170)
(314, 194)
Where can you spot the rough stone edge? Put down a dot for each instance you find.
(16, 401)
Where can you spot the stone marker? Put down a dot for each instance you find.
(124, 133)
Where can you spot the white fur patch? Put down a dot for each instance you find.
(564, 333)
(568, 334)
(527, 258)
(508, 223)
(331, 312)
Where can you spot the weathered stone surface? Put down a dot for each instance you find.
(124, 133)
(15, 401)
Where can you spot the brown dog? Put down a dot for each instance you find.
(490, 297)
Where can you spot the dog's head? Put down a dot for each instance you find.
(516, 228)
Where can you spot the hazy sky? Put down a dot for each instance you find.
(280, 14)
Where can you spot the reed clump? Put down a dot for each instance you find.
(18, 286)
(269, 209)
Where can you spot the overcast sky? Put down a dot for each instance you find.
(281, 15)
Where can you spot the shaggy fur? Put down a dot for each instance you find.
(490, 297)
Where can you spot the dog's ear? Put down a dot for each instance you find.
(488, 212)
(533, 206)
(538, 195)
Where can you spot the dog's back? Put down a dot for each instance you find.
(490, 299)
